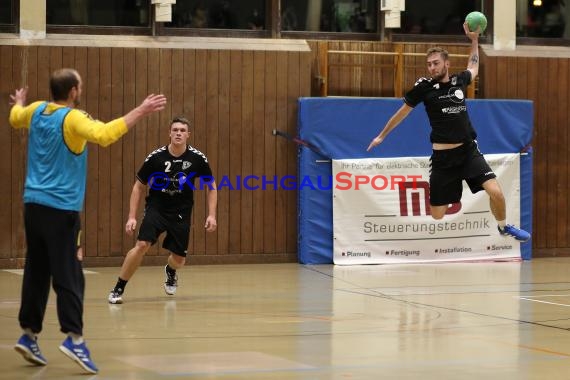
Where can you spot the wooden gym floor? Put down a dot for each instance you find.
(288, 321)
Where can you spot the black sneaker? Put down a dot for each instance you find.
(115, 297)
(171, 282)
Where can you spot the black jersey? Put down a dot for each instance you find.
(445, 107)
(172, 180)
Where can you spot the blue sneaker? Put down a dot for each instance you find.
(79, 353)
(30, 350)
(510, 230)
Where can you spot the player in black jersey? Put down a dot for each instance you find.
(455, 156)
(170, 172)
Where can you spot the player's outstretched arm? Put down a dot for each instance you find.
(152, 103)
(390, 125)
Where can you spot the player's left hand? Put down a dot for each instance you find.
(471, 35)
(375, 142)
(211, 224)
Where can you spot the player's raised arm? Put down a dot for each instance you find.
(473, 63)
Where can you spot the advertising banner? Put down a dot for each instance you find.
(381, 214)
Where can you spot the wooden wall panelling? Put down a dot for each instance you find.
(117, 187)
(104, 160)
(370, 80)
(8, 189)
(129, 164)
(161, 130)
(91, 96)
(539, 162)
(281, 146)
(68, 57)
(561, 144)
(154, 141)
(235, 150)
(80, 64)
(200, 116)
(346, 69)
(24, 73)
(541, 166)
(553, 164)
(44, 71)
(212, 131)
(258, 148)
(334, 70)
(184, 88)
(246, 142)
(55, 58)
(295, 70)
(565, 157)
(270, 117)
(386, 78)
(223, 151)
(139, 132)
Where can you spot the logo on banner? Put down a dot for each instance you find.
(419, 190)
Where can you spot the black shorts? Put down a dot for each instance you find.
(449, 167)
(177, 227)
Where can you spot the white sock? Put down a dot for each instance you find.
(75, 338)
(502, 224)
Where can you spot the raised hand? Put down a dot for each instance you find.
(19, 97)
(153, 103)
(471, 35)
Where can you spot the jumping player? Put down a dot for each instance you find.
(456, 156)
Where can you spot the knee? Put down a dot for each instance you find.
(438, 212)
(438, 216)
(141, 247)
(496, 195)
(178, 261)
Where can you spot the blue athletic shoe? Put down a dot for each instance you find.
(78, 353)
(518, 234)
(30, 350)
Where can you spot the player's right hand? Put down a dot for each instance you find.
(377, 141)
(19, 97)
(130, 226)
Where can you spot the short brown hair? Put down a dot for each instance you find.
(438, 50)
(61, 82)
(180, 119)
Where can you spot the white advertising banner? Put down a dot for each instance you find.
(381, 214)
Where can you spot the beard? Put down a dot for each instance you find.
(441, 75)
(76, 102)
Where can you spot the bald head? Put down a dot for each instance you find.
(61, 83)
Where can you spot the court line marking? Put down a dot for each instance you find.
(20, 272)
(378, 294)
(546, 302)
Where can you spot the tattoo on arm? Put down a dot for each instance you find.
(475, 59)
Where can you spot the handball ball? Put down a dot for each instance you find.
(476, 19)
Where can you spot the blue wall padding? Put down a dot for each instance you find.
(343, 128)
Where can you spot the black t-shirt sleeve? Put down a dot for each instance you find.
(416, 94)
(464, 78)
(205, 172)
(146, 170)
